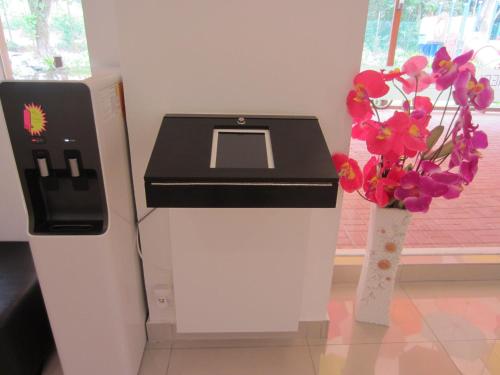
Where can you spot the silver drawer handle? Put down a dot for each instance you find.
(239, 184)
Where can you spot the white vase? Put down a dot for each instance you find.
(386, 235)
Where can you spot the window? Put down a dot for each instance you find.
(44, 39)
(472, 221)
(425, 26)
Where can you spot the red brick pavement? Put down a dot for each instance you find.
(473, 220)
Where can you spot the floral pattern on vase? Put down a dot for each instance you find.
(386, 235)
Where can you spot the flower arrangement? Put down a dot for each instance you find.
(407, 169)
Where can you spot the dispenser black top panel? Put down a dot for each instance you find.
(229, 161)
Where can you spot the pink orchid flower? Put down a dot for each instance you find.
(417, 191)
(467, 141)
(464, 124)
(360, 129)
(400, 134)
(465, 149)
(411, 132)
(392, 74)
(386, 137)
(391, 159)
(445, 69)
(367, 84)
(422, 105)
(469, 67)
(453, 181)
(480, 93)
(416, 133)
(415, 136)
(349, 172)
(380, 189)
(466, 156)
(386, 186)
(479, 140)
(418, 79)
(358, 105)
(461, 92)
(370, 178)
(395, 74)
(469, 168)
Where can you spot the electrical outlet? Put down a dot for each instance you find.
(162, 298)
(162, 301)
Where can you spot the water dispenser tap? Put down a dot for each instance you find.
(43, 167)
(73, 167)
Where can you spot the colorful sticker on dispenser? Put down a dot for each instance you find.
(35, 120)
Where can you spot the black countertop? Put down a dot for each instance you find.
(179, 172)
(183, 148)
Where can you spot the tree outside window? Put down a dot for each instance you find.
(428, 25)
(45, 38)
(425, 26)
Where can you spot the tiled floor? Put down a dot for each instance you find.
(471, 221)
(437, 328)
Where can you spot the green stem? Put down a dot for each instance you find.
(400, 91)
(375, 108)
(436, 153)
(416, 89)
(442, 160)
(417, 160)
(446, 137)
(362, 196)
(448, 133)
(435, 102)
(445, 107)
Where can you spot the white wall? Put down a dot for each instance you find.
(102, 33)
(236, 56)
(14, 223)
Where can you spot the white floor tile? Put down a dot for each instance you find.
(458, 311)
(242, 361)
(238, 343)
(475, 357)
(155, 362)
(406, 325)
(383, 359)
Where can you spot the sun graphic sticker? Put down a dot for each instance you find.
(35, 121)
